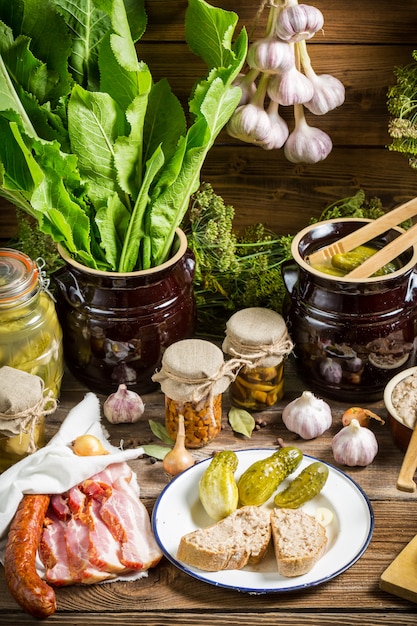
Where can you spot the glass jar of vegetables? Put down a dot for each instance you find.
(30, 334)
(31, 358)
(259, 338)
(193, 378)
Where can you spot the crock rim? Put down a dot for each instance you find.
(372, 279)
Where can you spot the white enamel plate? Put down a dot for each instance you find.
(178, 511)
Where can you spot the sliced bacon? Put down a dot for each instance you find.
(59, 505)
(128, 521)
(97, 530)
(52, 551)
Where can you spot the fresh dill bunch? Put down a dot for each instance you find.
(233, 271)
(210, 233)
(354, 206)
(402, 105)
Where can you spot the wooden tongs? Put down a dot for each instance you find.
(370, 231)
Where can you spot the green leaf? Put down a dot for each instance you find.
(94, 124)
(136, 228)
(241, 421)
(156, 452)
(160, 431)
(112, 221)
(165, 121)
(209, 31)
(50, 40)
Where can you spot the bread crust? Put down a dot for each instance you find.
(240, 539)
(299, 541)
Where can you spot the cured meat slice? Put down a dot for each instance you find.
(128, 520)
(53, 551)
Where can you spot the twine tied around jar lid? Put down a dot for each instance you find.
(193, 369)
(22, 403)
(258, 336)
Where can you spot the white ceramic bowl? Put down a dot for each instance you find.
(401, 433)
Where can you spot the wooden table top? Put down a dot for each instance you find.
(168, 596)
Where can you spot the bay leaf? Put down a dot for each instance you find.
(241, 421)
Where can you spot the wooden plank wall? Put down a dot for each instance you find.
(362, 42)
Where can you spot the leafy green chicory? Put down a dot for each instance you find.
(91, 147)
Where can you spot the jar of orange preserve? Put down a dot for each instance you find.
(193, 378)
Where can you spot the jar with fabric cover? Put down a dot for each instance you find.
(23, 407)
(193, 378)
(259, 338)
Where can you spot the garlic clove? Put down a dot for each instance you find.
(324, 515)
(124, 406)
(354, 445)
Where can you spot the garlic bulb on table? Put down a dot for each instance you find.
(307, 416)
(354, 445)
(123, 406)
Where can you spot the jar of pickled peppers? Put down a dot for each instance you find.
(193, 377)
(259, 338)
(30, 335)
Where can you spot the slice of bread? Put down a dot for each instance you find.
(241, 538)
(299, 541)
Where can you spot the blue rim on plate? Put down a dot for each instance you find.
(178, 510)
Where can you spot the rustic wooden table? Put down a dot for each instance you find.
(168, 596)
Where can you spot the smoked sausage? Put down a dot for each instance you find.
(33, 594)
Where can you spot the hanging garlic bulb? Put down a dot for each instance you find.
(289, 88)
(246, 82)
(329, 92)
(250, 122)
(270, 56)
(306, 144)
(279, 128)
(280, 71)
(298, 22)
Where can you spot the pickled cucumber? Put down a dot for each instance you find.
(343, 263)
(308, 484)
(217, 488)
(261, 479)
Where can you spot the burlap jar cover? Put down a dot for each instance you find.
(22, 404)
(258, 337)
(193, 369)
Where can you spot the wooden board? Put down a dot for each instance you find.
(400, 578)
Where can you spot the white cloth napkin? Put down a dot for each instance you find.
(55, 468)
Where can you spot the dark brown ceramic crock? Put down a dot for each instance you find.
(350, 336)
(116, 326)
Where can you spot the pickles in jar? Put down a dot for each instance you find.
(343, 263)
(259, 387)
